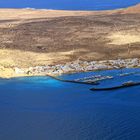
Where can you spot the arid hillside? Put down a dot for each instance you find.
(39, 37)
(133, 9)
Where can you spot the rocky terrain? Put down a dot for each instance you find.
(31, 38)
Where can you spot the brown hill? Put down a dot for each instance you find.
(39, 37)
(133, 9)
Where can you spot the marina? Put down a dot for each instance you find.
(100, 79)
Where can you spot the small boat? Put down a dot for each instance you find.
(124, 85)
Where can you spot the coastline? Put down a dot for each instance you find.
(28, 48)
(68, 68)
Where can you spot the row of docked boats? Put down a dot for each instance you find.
(95, 78)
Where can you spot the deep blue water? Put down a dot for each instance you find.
(69, 4)
(40, 108)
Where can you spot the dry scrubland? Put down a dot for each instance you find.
(39, 37)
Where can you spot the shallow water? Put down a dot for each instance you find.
(69, 4)
(43, 108)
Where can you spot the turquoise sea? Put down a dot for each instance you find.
(41, 108)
